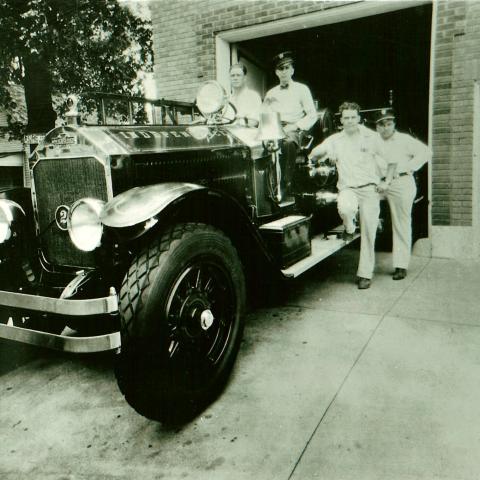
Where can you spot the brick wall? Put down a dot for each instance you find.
(184, 35)
(184, 45)
(457, 44)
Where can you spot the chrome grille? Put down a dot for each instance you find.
(62, 181)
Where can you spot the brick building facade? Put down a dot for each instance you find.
(197, 40)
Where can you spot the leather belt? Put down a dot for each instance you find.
(366, 185)
(401, 174)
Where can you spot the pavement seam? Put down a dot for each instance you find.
(407, 288)
(414, 278)
(302, 453)
(438, 322)
(333, 310)
(334, 398)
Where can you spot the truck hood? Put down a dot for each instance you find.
(132, 140)
(151, 138)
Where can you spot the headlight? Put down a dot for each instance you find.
(84, 225)
(211, 98)
(9, 211)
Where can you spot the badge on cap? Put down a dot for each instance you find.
(283, 58)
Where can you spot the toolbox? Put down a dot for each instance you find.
(288, 239)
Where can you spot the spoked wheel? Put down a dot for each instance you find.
(203, 288)
(181, 306)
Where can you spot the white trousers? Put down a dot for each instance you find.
(400, 196)
(367, 201)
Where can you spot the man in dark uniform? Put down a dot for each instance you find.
(294, 103)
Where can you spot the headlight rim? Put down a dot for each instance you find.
(10, 210)
(222, 103)
(96, 205)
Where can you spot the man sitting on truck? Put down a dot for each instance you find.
(246, 101)
(294, 102)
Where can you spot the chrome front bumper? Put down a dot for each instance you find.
(64, 343)
(59, 306)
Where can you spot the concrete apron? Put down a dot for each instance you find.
(335, 383)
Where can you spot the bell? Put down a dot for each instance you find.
(270, 127)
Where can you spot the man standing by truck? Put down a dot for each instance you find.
(406, 155)
(353, 150)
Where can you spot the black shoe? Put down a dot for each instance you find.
(347, 237)
(399, 274)
(363, 283)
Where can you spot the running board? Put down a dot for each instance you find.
(64, 343)
(321, 248)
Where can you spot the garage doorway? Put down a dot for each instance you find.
(362, 60)
(373, 60)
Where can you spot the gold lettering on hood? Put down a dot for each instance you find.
(138, 134)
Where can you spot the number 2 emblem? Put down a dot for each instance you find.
(61, 216)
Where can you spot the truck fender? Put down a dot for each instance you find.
(142, 204)
(129, 219)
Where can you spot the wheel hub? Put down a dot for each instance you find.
(196, 314)
(206, 319)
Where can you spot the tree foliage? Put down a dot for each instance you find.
(68, 46)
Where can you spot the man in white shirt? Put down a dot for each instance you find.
(246, 101)
(403, 155)
(294, 103)
(353, 150)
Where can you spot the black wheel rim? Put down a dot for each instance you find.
(200, 313)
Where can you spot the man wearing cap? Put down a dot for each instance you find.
(246, 101)
(294, 102)
(353, 150)
(403, 155)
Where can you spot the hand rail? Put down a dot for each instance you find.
(160, 108)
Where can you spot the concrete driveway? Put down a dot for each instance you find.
(333, 383)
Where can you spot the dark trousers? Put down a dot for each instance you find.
(289, 148)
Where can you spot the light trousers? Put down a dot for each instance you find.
(366, 200)
(400, 196)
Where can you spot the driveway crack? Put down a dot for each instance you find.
(360, 354)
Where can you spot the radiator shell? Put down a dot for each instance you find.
(62, 181)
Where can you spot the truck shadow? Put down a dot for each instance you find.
(14, 355)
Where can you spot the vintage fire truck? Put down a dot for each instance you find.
(148, 240)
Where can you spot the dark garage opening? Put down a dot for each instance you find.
(363, 60)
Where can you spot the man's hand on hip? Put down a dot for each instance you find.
(383, 186)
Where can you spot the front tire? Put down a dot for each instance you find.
(182, 307)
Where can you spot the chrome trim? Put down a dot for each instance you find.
(93, 306)
(108, 181)
(321, 249)
(140, 204)
(67, 210)
(100, 343)
(109, 145)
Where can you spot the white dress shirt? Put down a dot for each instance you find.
(355, 157)
(408, 153)
(294, 104)
(248, 103)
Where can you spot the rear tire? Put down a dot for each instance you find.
(182, 307)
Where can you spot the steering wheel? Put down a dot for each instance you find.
(225, 116)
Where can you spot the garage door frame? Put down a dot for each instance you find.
(343, 13)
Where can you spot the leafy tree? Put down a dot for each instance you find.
(68, 46)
